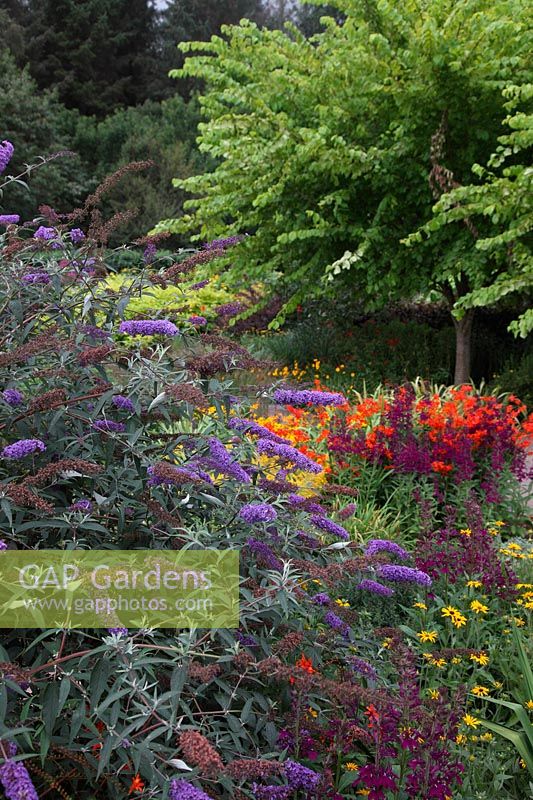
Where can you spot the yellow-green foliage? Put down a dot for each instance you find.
(177, 300)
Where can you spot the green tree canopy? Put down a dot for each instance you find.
(332, 150)
(99, 54)
(505, 200)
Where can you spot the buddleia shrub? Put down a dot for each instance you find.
(114, 437)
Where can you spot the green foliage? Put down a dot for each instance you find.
(323, 146)
(504, 199)
(99, 54)
(179, 302)
(38, 125)
(161, 132)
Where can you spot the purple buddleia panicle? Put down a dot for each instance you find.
(222, 244)
(385, 546)
(368, 585)
(23, 448)
(94, 332)
(36, 277)
(337, 624)
(362, 667)
(148, 327)
(82, 505)
(322, 599)
(249, 426)
(229, 309)
(13, 397)
(76, 235)
(6, 154)
(199, 285)
(271, 792)
(198, 321)
(16, 781)
(245, 639)
(123, 403)
(219, 460)
(9, 219)
(108, 426)
(327, 525)
(265, 554)
(300, 777)
(183, 790)
(3, 545)
(289, 454)
(308, 540)
(305, 397)
(397, 574)
(118, 631)
(150, 253)
(258, 512)
(305, 504)
(45, 234)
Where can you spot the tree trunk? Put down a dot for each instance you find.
(463, 346)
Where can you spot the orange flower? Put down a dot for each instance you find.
(137, 785)
(372, 714)
(441, 467)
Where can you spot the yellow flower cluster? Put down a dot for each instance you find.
(454, 615)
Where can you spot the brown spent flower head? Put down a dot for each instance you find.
(171, 474)
(176, 272)
(162, 514)
(203, 673)
(337, 488)
(24, 498)
(199, 752)
(94, 355)
(47, 474)
(15, 673)
(48, 400)
(187, 393)
(289, 643)
(40, 344)
(246, 769)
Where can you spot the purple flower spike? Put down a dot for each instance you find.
(6, 154)
(385, 546)
(392, 572)
(330, 527)
(81, 505)
(300, 777)
(76, 235)
(45, 234)
(337, 624)
(36, 277)
(288, 453)
(9, 219)
(194, 320)
(118, 631)
(123, 403)
(3, 545)
(16, 781)
(108, 426)
(183, 790)
(368, 585)
(24, 447)
(258, 512)
(148, 327)
(305, 397)
(13, 397)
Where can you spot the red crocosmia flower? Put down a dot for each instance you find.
(372, 714)
(137, 785)
(441, 467)
(306, 665)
